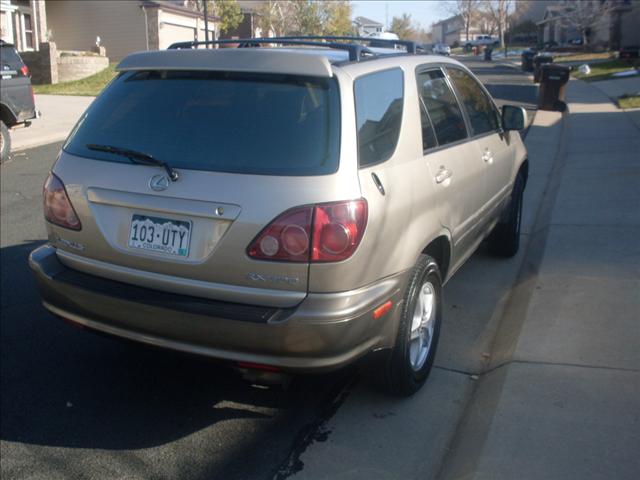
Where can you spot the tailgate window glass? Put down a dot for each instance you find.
(217, 121)
(442, 107)
(10, 58)
(379, 99)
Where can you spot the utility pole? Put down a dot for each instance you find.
(386, 16)
(206, 24)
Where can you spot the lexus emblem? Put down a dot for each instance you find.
(159, 183)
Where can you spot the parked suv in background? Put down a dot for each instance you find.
(285, 209)
(17, 104)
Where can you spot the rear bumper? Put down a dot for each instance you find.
(324, 332)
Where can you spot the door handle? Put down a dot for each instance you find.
(443, 174)
(487, 156)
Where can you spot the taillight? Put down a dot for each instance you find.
(287, 238)
(57, 206)
(337, 230)
(327, 232)
(25, 70)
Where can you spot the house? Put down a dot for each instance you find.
(23, 23)
(366, 26)
(617, 26)
(122, 26)
(452, 31)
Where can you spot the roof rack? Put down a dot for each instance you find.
(356, 51)
(412, 47)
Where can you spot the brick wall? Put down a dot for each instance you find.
(77, 67)
(42, 64)
(49, 65)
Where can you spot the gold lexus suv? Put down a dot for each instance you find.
(289, 208)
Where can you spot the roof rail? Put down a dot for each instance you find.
(356, 52)
(412, 47)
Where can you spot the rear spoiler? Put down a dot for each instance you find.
(254, 60)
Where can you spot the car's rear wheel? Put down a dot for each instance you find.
(411, 359)
(5, 142)
(504, 241)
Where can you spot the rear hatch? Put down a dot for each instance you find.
(246, 148)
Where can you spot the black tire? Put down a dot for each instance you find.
(504, 241)
(5, 142)
(400, 377)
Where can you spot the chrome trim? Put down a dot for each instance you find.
(165, 204)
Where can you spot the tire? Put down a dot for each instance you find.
(504, 241)
(410, 361)
(5, 142)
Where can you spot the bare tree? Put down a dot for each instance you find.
(305, 17)
(584, 15)
(275, 17)
(468, 10)
(498, 12)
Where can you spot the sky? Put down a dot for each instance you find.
(424, 12)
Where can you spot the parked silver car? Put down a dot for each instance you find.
(289, 209)
(442, 49)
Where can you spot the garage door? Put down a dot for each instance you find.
(175, 33)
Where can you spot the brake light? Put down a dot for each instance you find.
(286, 238)
(57, 206)
(25, 70)
(327, 232)
(337, 230)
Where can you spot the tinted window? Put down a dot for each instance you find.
(482, 114)
(378, 114)
(442, 107)
(428, 135)
(10, 58)
(227, 122)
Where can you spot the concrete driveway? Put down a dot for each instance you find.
(59, 114)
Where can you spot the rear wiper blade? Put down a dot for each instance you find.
(136, 157)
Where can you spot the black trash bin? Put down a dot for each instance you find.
(553, 83)
(487, 54)
(538, 61)
(527, 60)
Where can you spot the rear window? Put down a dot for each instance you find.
(378, 114)
(10, 58)
(217, 121)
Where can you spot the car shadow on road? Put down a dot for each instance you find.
(62, 386)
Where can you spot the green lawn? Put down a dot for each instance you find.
(629, 101)
(582, 57)
(603, 70)
(89, 86)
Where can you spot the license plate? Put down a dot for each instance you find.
(160, 235)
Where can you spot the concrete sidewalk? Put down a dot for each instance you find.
(620, 86)
(561, 399)
(373, 435)
(59, 114)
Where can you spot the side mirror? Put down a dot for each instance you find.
(513, 118)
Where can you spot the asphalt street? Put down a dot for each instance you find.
(79, 405)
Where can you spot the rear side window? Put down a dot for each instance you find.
(217, 121)
(483, 116)
(379, 97)
(442, 107)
